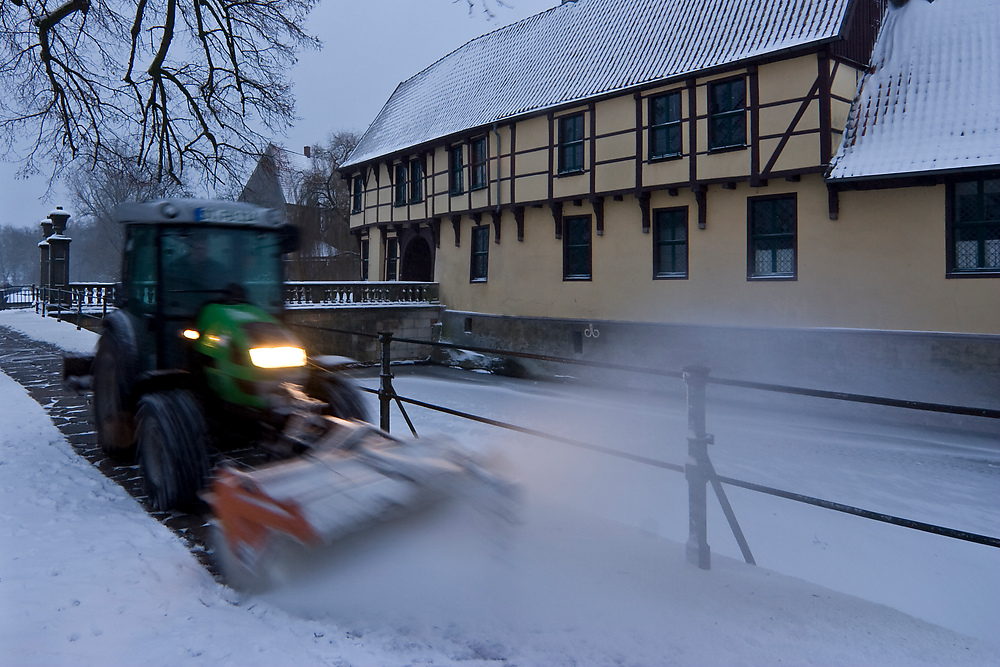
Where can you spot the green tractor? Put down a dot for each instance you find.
(196, 358)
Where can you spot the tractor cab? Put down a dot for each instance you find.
(183, 255)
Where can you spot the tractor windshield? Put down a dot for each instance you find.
(203, 264)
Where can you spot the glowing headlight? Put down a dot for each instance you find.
(277, 357)
(191, 334)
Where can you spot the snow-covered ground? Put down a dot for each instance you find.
(594, 575)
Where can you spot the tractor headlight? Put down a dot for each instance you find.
(277, 357)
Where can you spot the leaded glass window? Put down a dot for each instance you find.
(391, 258)
(727, 119)
(772, 242)
(416, 181)
(478, 163)
(456, 170)
(356, 197)
(670, 243)
(577, 248)
(571, 144)
(480, 253)
(976, 226)
(400, 197)
(665, 125)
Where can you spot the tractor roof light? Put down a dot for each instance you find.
(278, 357)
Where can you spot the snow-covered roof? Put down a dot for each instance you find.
(583, 49)
(932, 102)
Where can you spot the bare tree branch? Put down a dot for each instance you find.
(195, 83)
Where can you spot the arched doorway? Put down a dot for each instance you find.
(418, 261)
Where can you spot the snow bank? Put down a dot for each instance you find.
(49, 330)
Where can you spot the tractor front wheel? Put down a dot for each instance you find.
(341, 395)
(172, 452)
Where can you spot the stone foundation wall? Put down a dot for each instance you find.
(954, 369)
(405, 321)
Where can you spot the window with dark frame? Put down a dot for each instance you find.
(456, 170)
(401, 183)
(577, 250)
(665, 126)
(727, 118)
(477, 164)
(771, 231)
(358, 193)
(364, 259)
(479, 264)
(391, 258)
(571, 144)
(974, 247)
(670, 243)
(416, 181)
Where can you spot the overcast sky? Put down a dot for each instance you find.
(369, 47)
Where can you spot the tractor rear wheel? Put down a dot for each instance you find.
(172, 452)
(112, 385)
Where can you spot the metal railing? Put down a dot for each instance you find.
(17, 296)
(698, 468)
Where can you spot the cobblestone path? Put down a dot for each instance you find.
(37, 366)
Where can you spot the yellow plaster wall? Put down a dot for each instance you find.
(786, 78)
(532, 188)
(881, 266)
(617, 113)
(798, 152)
(532, 133)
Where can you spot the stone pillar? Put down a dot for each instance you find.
(59, 254)
(43, 254)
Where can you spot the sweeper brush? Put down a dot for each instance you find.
(351, 477)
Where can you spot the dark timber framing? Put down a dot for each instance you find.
(379, 209)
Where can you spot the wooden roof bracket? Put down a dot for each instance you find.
(643, 198)
(519, 221)
(496, 215)
(598, 204)
(700, 191)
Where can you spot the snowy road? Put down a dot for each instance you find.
(947, 474)
(595, 575)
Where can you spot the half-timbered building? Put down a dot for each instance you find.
(653, 173)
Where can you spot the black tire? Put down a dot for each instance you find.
(342, 397)
(113, 412)
(172, 451)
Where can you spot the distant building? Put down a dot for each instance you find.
(668, 173)
(328, 250)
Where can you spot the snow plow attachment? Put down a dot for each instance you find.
(352, 477)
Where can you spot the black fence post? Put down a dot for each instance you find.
(697, 468)
(385, 390)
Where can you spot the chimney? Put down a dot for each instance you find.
(306, 151)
